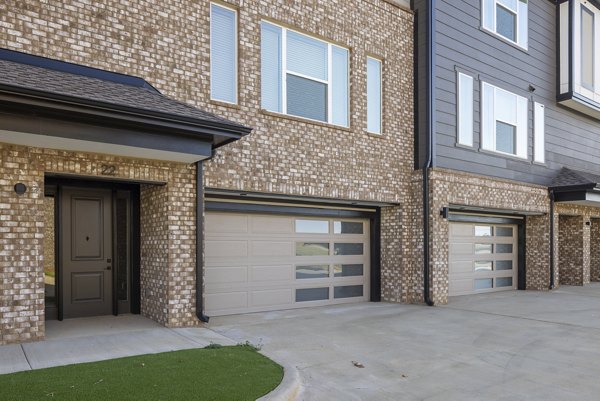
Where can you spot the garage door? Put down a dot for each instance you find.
(265, 262)
(483, 258)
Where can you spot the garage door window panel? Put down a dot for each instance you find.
(504, 231)
(347, 227)
(348, 249)
(484, 284)
(312, 226)
(348, 270)
(348, 291)
(312, 248)
(504, 248)
(484, 231)
(312, 294)
(312, 272)
(483, 266)
(504, 282)
(482, 249)
(504, 265)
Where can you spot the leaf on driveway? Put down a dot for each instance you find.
(358, 364)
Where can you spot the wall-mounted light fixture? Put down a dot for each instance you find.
(20, 188)
(588, 223)
(445, 212)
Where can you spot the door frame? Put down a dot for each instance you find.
(53, 187)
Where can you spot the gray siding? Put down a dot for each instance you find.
(572, 139)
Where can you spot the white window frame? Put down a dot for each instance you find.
(236, 100)
(579, 87)
(328, 81)
(464, 132)
(488, 139)
(380, 62)
(539, 133)
(485, 9)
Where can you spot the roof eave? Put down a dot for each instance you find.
(43, 101)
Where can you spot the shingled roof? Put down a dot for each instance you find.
(75, 84)
(572, 178)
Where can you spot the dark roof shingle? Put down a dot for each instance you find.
(569, 178)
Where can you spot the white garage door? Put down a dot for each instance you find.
(266, 262)
(483, 258)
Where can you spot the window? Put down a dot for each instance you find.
(539, 133)
(373, 95)
(303, 76)
(465, 109)
(503, 121)
(223, 54)
(507, 18)
(312, 226)
(579, 35)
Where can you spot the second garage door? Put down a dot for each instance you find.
(266, 262)
(483, 258)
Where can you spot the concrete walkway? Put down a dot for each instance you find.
(503, 346)
(94, 339)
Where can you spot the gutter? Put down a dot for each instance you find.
(429, 144)
(551, 192)
(200, 243)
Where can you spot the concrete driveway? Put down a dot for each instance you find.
(504, 346)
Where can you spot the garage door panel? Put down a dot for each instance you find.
(226, 300)
(271, 297)
(252, 266)
(224, 223)
(272, 248)
(483, 259)
(224, 274)
(461, 230)
(463, 266)
(271, 225)
(464, 249)
(263, 274)
(226, 248)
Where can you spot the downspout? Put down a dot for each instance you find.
(200, 243)
(429, 146)
(551, 239)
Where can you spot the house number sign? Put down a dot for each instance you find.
(108, 169)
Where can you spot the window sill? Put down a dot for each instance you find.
(503, 39)
(304, 120)
(374, 135)
(225, 104)
(505, 155)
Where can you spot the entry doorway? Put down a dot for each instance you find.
(92, 251)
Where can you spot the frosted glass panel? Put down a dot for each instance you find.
(223, 59)
(306, 56)
(465, 109)
(373, 95)
(271, 67)
(587, 48)
(306, 98)
(339, 86)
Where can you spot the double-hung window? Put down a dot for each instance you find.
(503, 121)
(303, 76)
(506, 18)
(223, 54)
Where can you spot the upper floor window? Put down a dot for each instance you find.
(579, 32)
(303, 76)
(223, 54)
(503, 121)
(373, 95)
(506, 18)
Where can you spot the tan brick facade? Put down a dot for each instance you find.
(167, 43)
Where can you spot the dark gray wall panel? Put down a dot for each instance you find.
(572, 139)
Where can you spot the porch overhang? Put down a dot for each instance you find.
(576, 187)
(52, 104)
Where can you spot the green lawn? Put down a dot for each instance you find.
(227, 373)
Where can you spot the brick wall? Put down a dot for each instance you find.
(457, 188)
(167, 235)
(571, 250)
(167, 43)
(595, 250)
